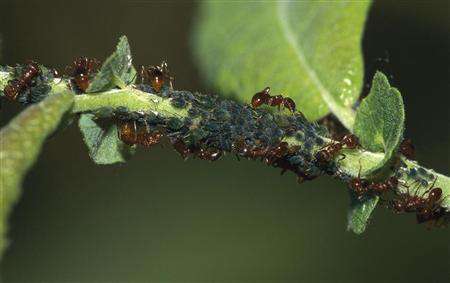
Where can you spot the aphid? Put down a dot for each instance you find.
(359, 186)
(157, 76)
(407, 149)
(15, 87)
(81, 71)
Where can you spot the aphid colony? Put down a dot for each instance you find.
(214, 126)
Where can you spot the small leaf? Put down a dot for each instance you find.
(20, 143)
(102, 140)
(117, 70)
(359, 213)
(380, 120)
(309, 51)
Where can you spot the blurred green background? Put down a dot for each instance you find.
(159, 219)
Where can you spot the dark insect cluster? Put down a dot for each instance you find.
(215, 126)
(427, 206)
(264, 97)
(362, 188)
(81, 72)
(30, 83)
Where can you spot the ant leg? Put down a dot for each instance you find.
(431, 187)
(142, 73)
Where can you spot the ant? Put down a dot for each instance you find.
(285, 165)
(81, 70)
(276, 152)
(244, 150)
(361, 186)
(327, 153)
(127, 132)
(15, 87)
(181, 148)
(147, 139)
(427, 209)
(407, 149)
(264, 97)
(157, 76)
(383, 187)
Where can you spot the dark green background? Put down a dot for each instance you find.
(158, 219)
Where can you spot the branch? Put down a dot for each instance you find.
(206, 122)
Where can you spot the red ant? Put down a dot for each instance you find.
(361, 186)
(244, 150)
(15, 87)
(127, 132)
(407, 149)
(181, 148)
(276, 152)
(81, 70)
(285, 165)
(131, 135)
(264, 97)
(147, 139)
(327, 153)
(157, 76)
(383, 187)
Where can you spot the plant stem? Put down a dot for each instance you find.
(356, 163)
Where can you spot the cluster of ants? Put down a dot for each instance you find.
(81, 72)
(427, 206)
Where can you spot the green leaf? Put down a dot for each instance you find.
(20, 143)
(359, 213)
(309, 51)
(102, 140)
(380, 120)
(116, 71)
